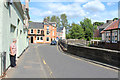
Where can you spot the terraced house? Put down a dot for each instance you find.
(14, 18)
(42, 32)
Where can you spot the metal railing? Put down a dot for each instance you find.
(3, 62)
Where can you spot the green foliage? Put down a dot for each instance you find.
(115, 19)
(30, 21)
(64, 21)
(58, 21)
(87, 26)
(98, 23)
(53, 18)
(76, 32)
(97, 38)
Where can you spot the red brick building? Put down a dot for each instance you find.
(42, 32)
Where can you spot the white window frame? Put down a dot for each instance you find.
(48, 33)
(46, 39)
(39, 32)
(48, 27)
(53, 33)
(30, 31)
(113, 37)
(39, 39)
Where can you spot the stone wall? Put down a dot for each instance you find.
(107, 56)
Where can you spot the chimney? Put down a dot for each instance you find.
(27, 4)
(45, 19)
(109, 21)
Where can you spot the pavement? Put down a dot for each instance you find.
(47, 61)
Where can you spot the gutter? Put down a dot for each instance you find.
(18, 5)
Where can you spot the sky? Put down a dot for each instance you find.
(76, 10)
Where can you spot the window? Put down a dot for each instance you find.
(18, 21)
(37, 38)
(41, 38)
(114, 36)
(47, 39)
(53, 33)
(53, 24)
(12, 28)
(42, 32)
(38, 31)
(47, 27)
(108, 36)
(20, 31)
(31, 30)
(24, 31)
(47, 32)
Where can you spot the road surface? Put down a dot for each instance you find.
(65, 66)
(47, 61)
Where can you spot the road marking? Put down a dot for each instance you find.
(44, 62)
(86, 61)
(49, 70)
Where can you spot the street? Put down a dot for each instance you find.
(47, 61)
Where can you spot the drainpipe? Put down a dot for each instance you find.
(111, 36)
(118, 35)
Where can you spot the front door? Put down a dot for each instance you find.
(31, 39)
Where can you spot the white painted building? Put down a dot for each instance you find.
(13, 24)
(61, 33)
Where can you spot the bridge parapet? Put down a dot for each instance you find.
(111, 57)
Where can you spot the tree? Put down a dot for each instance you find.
(115, 19)
(98, 23)
(53, 18)
(58, 21)
(87, 26)
(48, 18)
(64, 22)
(76, 32)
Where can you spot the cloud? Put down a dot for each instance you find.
(110, 3)
(69, 0)
(94, 6)
(94, 10)
(71, 10)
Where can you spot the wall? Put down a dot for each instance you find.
(10, 16)
(1, 17)
(51, 36)
(110, 57)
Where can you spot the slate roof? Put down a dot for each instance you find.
(59, 29)
(114, 25)
(36, 25)
(106, 24)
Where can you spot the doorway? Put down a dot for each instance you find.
(31, 39)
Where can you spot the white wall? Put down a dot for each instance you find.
(10, 16)
(64, 33)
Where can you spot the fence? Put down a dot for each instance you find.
(3, 63)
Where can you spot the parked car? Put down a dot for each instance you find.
(53, 42)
